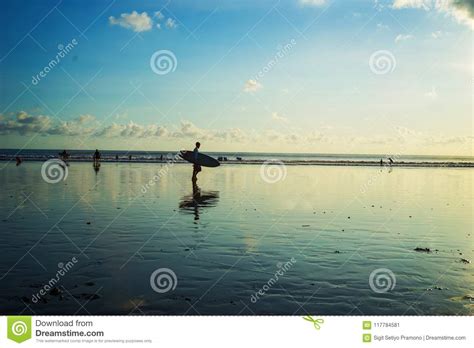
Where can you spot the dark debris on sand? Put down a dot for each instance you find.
(422, 250)
(55, 292)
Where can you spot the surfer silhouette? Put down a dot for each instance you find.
(196, 167)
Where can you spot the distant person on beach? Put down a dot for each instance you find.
(64, 155)
(391, 161)
(196, 167)
(18, 160)
(116, 157)
(381, 162)
(129, 157)
(96, 157)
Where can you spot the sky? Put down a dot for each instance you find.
(311, 76)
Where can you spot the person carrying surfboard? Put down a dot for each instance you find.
(196, 167)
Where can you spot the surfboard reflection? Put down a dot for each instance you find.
(198, 200)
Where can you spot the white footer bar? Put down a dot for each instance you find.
(225, 331)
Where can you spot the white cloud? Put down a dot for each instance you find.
(85, 118)
(158, 15)
(421, 4)
(170, 23)
(23, 123)
(312, 2)
(437, 34)
(279, 118)
(135, 21)
(461, 10)
(433, 94)
(132, 129)
(402, 37)
(381, 26)
(252, 86)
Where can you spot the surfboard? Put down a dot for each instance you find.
(202, 159)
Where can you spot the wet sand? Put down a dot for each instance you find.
(226, 238)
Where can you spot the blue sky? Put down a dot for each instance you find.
(317, 92)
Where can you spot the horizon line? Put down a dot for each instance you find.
(246, 152)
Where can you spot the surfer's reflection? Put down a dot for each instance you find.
(96, 167)
(198, 199)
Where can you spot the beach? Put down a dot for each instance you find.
(324, 230)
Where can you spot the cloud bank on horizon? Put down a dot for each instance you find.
(87, 126)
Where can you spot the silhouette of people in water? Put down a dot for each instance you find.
(196, 167)
(390, 160)
(64, 156)
(18, 160)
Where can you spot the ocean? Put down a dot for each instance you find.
(244, 157)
